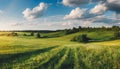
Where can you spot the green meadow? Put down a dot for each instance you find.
(29, 52)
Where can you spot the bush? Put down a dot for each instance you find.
(84, 38)
(45, 37)
(32, 34)
(81, 38)
(38, 35)
(13, 34)
(117, 35)
(24, 34)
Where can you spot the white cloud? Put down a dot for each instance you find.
(36, 12)
(113, 1)
(99, 9)
(67, 24)
(75, 13)
(74, 2)
(103, 6)
(104, 19)
(87, 23)
(1, 12)
(79, 2)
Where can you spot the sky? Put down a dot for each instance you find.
(58, 14)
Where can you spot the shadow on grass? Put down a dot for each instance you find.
(53, 61)
(69, 62)
(9, 58)
(96, 40)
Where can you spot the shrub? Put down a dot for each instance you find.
(32, 34)
(45, 37)
(81, 38)
(13, 34)
(74, 38)
(38, 35)
(24, 34)
(117, 35)
(84, 38)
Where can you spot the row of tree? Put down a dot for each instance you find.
(90, 29)
(38, 35)
(116, 30)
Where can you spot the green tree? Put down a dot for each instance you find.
(32, 34)
(117, 35)
(38, 35)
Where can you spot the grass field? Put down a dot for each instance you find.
(29, 52)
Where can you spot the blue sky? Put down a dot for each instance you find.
(55, 14)
(16, 7)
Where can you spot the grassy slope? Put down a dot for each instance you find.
(56, 53)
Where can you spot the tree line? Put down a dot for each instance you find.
(91, 29)
(84, 38)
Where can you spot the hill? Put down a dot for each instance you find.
(28, 52)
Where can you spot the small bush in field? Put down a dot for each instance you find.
(84, 38)
(81, 38)
(13, 34)
(76, 38)
(38, 35)
(24, 34)
(32, 34)
(117, 35)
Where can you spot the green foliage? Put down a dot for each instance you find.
(38, 35)
(91, 29)
(13, 34)
(32, 34)
(117, 35)
(81, 38)
(77, 38)
(24, 34)
(84, 38)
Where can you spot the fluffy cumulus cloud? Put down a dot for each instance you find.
(76, 13)
(99, 9)
(83, 13)
(113, 5)
(36, 12)
(77, 16)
